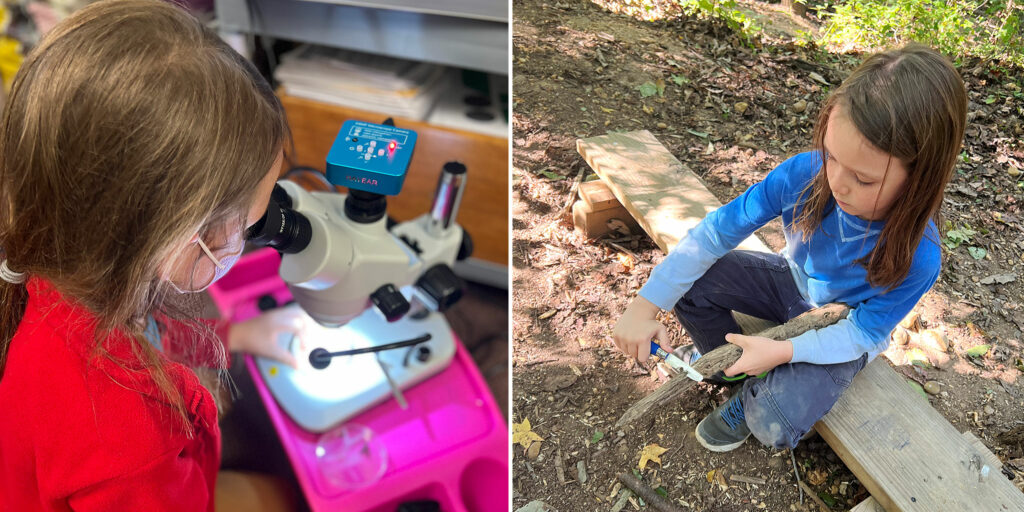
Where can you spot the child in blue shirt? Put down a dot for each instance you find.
(858, 215)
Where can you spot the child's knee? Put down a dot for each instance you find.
(765, 418)
(775, 435)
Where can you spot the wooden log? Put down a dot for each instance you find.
(724, 357)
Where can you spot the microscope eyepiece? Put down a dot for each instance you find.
(280, 227)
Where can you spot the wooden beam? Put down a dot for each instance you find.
(663, 196)
(724, 356)
(597, 195)
(906, 454)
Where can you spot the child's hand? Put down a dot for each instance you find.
(634, 331)
(759, 354)
(259, 336)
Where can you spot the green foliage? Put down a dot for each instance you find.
(648, 89)
(724, 10)
(978, 351)
(977, 252)
(598, 435)
(987, 29)
(955, 237)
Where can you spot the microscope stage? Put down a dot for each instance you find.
(318, 400)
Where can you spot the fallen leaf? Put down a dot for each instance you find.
(627, 261)
(978, 351)
(817, 476)
(598, 435)
(648, 89)
(977, 252)
(818, 78)
(715, 476)
(917, 357)
(651, 452)
(917, 387)
(523, 434)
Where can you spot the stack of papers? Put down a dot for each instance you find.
(390, 86)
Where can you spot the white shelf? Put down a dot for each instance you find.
(464, 42)
(488, 10)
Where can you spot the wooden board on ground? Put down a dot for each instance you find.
(664, 197)
(906, 454)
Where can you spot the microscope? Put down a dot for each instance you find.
(375, 288)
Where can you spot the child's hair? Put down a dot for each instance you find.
(911, 104)
(129, 128)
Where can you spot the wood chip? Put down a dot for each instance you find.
(560, 467)
(623, 499)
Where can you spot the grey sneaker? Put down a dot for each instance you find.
(725, 428)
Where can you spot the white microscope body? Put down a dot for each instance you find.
(340, 259)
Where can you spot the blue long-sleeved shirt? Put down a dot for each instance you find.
(823, 267)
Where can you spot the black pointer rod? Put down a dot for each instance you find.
(320, 358)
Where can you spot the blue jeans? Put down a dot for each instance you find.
(784, 405)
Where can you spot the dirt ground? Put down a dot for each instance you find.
(579, 71)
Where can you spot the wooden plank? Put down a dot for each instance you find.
(598, 196)
(905, 453)
(664, 197)
(987, 457)
(868, 505)
(872, 505)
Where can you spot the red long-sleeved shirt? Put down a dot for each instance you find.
(82, 432)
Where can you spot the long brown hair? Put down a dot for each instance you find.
(130, 125)
(909, 103)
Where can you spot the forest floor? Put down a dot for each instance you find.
(730, 112)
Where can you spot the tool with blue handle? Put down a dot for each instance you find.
(675, 362)
(678, 364)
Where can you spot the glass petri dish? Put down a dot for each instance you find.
(351, 457)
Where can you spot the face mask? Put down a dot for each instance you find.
(222, 266)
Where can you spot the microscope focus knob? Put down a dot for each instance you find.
(442, 285)
(390, 301)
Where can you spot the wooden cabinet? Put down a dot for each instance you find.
(484, 211)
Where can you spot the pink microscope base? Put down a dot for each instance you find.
(451, 444)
